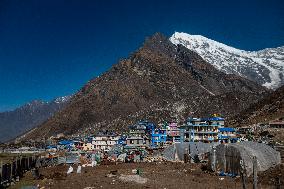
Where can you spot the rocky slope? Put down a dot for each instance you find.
(160, 81)
(269, 108)
(16, 122)
(265, 67)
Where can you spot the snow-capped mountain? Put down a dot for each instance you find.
(28, 116)
(158, 82)
(265, 67)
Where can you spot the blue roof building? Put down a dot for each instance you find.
(201, 129)
(227, 135)
(158, 137)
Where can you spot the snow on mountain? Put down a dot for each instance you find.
(152, 83)
(265, 67)
(62, 99)
(16, 122)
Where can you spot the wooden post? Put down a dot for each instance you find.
(21, 168)
(16, 164)
(28, 162)
(254, 172)
(185, 156)
(1, 168)
(277, 183)
(11, 177)
(242, 172)
(214, 159)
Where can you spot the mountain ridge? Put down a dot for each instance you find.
(159, 81)
(16, 122)
(269, 108)
(265, 66)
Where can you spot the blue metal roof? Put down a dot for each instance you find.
(227, 129)
(206, 119)
(65, 142)
(216, 119)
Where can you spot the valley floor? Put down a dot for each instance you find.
(159, 175)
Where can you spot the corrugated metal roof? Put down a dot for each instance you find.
(227, 129)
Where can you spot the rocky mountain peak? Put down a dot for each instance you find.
(265, 67)
(159, 81)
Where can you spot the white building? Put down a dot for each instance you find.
(104, 142)
(88, 146)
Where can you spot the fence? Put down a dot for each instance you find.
(11, 172)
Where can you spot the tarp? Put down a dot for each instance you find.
(176, 151)
(72, 158)
(121, 157)
(228, 156)
(62, 160)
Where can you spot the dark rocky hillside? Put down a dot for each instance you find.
(160, 81)
(269, 108)
(16, 122)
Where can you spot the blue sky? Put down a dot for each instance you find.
(51, 48)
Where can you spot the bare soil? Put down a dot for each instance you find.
(159, 175)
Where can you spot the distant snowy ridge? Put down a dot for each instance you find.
(265, 67)
(62, 99)
(57, 100)
(22, 119)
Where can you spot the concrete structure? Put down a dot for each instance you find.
(173, 132)
(201, 129)
(141, 129)
(277, 124)
(244, 130)
(158, 137)
(139, 135)
(227, 135)
(137, 142)
(88, 146)
(104, 142)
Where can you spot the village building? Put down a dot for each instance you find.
(78, 144)
(201, 129)
(137, 142)
(244, 130)
(227, 135)
(173, 132)
(65, 144)
(139, 135)
(141, 129)
(122, 140)
(104, 142)
(88, 146)
(158, 137)
(277, 123)
(137, 130)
